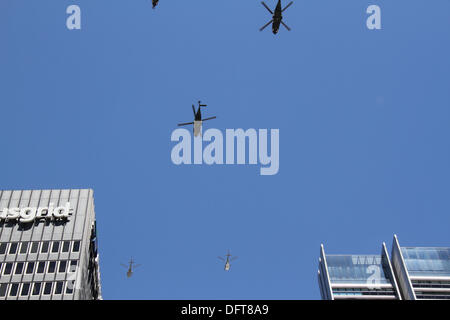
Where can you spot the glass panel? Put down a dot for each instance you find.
(25, 289)
(24, 247)
(14, 289)
(55, 248)
(48, 288)
(8, 269)
(44, 248)
(427, 261)
(13, 248)
(356, 269)
(19, 268)
(41, 267)
(51, 267)
(36, 289)
(34, 247)
(30, 267)
(76, 246)
(3, 288)
(66, 246)
(62, 266)
(59, 287)
(3, 248)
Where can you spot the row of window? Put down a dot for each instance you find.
(35, 288)
(42, 247)
(364, 291)
(38, 267)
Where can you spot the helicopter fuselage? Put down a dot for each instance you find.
(197, 128)
(277, 17)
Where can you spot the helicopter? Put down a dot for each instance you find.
(155, 3)
(277, 17)
(130, 267)
(197, 120)
(228, 260)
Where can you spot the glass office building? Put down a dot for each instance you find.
(415, 273)
(48, 245)
(356, 276)
(423, 272)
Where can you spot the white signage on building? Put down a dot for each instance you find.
(29, 214)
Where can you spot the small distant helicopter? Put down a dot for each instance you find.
(197, 120)
(277, 17)
(155, 3)
(130, 267)
(228, 260)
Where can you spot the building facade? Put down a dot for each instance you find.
(357, 276)
(48, 245)
(416, 273)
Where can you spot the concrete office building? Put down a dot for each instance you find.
(416, 273)
(48, 245)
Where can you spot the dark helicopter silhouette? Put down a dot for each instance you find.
(197, 120)
(277, 17)
(155, 3)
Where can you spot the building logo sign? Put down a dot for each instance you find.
(30, 214)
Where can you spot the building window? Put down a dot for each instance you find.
(41, 267)
(62, 266)
(73, 266)
(24, 248)
(3, 248)
(47, 288)
(44, 247)
(59, 287)
(30, 268)
(13, 248)
(51, 267)
(36, 289)
(34, 247)
(3, 289)
(19, 268)
(8, 269)
(76, 246)
(66, 246)
(13, 290)
(69, 287)
(55, 247)
(25, 289)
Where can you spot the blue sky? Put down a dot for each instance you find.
(363, 119)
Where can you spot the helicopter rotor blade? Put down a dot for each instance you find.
(266, 25)
(221, 258)
(289, 29)
(233, 258)
(265, 5)
(136, 265)
(185, 124)
(126, 267)
(287, 6)
(209, 118)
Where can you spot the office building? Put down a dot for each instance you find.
(48, 245)
(415, 273)
(356, 276)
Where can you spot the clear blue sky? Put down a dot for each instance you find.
(363, 118)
